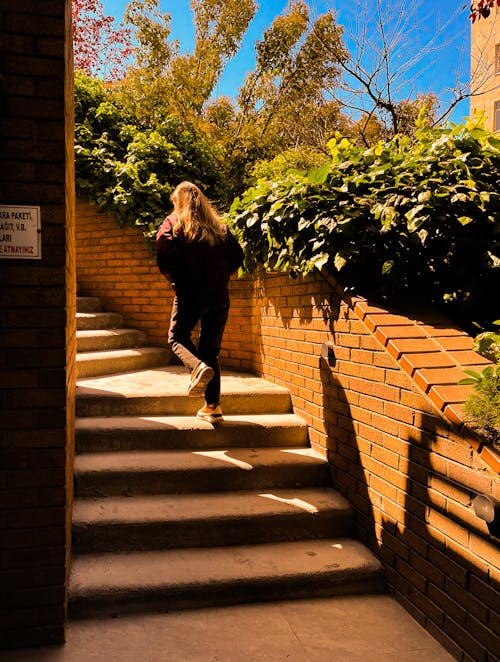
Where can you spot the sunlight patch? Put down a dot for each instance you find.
(305, 452)
(298, 503)
(221, 455)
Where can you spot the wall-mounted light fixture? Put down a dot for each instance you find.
(328, 353)
(487, 508)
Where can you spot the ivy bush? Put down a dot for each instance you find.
(404, 220)
(129, 169)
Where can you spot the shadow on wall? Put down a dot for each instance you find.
(278, 300)
(348, 472)
(414, 510)
(442, 568)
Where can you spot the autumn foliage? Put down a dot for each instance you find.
(100, 47)
(482, 9)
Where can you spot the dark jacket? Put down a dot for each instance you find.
(196, 266)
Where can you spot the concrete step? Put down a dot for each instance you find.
(120, 433)
(90, 364)
(88, 304)
(163, 391)
(211, 519)
(178, 579)
(94, 340)
(97, 320)
(159, 472)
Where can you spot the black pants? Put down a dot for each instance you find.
(211, 311)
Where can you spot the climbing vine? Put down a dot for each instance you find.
(408, 218)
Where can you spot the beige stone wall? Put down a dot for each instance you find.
(485, 68)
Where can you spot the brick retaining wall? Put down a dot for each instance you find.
(385, 409)
(386, 412)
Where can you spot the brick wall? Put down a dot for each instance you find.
(37, 338)
(385, 409)
(382, 410)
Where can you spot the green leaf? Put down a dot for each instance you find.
(387, 267)
(319, 175)
(320, 260)
(339, 261)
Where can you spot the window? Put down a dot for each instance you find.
(496, 117)
(497, 59)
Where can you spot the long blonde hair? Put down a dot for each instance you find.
(196, 217)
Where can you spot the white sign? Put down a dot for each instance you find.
(20, 232)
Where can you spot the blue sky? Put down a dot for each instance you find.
(437, 72)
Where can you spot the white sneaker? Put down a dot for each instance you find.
(211, 414)
(200, 377)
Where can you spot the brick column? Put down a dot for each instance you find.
(37, 327)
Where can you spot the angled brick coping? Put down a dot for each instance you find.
(435, 356)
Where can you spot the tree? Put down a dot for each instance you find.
(297, 60)
(100, 48)
(282, 104)
(128, 168)
(389, 50)
(169, 82)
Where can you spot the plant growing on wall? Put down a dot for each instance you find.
(400, 220)
(482, 408)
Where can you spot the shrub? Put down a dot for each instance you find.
(407, 219)
(482, 408)
(487, 343)
(129, 169)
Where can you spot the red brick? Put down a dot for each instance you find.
(445, 640)
(469, 602)
(491, 458)
(468, 477)
(425, 378)
(446, 395)
(450, 529)
(399, 346)
(453, 343)
(412, 576)
(464, 639)
(386, 333)
(452, 569)
(468, 359)
(374, 320)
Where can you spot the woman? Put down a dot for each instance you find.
(197, 254)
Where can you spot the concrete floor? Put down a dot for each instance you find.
(341, 629)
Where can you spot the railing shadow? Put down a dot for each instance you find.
(416, 515)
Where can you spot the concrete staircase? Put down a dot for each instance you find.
(171, 512)
(105, 347)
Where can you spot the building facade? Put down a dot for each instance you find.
(485, 69)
